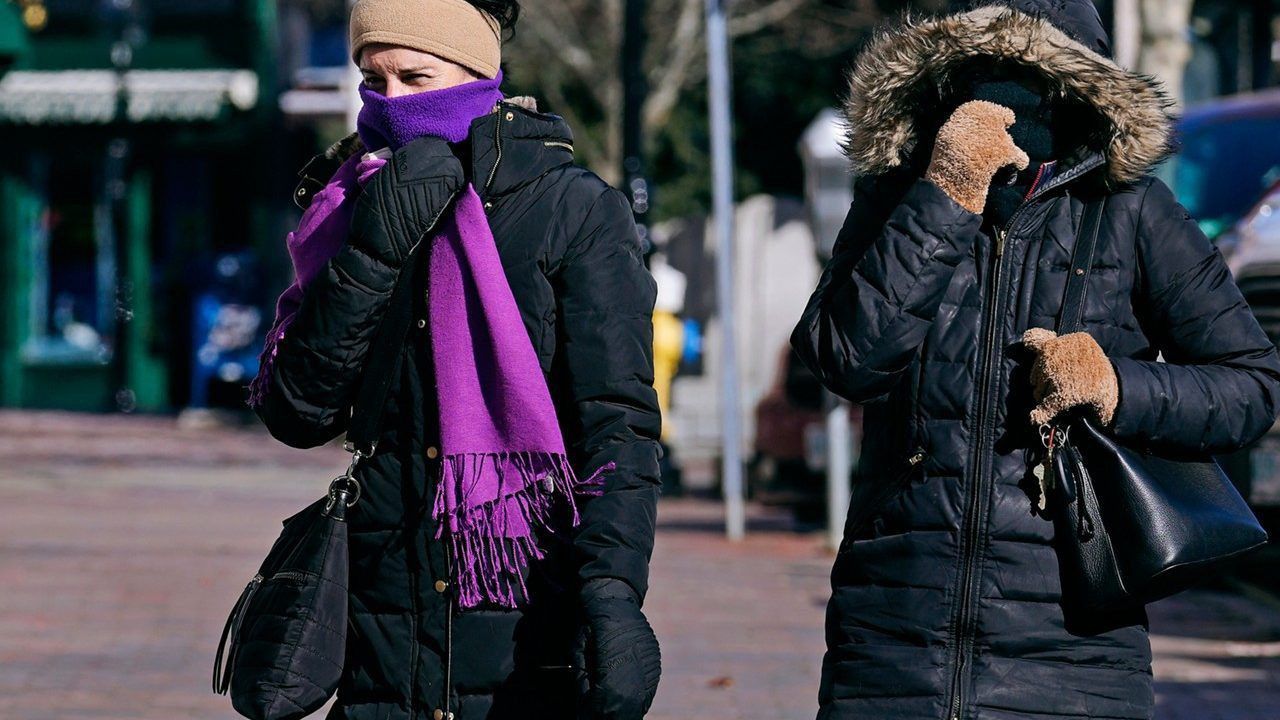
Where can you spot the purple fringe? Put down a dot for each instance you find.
(492, 543)
(261, 383)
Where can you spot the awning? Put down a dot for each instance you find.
(34, 97)
(13, 35)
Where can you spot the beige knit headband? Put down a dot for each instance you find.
(454, 30)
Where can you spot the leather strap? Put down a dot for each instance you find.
(383, 365)
(1072, 317)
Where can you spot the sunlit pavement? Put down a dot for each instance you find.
(123, 542)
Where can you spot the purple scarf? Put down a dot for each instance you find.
(504, 472)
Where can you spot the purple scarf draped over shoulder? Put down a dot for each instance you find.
(504, 471)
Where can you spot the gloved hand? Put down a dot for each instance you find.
(971, 147)
(1070, 371)
(620, 653)
(371, 163)
(403, 201)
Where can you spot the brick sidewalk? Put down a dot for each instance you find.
(125, 541)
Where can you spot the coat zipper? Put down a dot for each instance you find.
(497, 144)
(413, 619)
(291, 575)
(972, 531)
(869, 509)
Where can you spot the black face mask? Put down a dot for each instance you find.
(1028, 96)
(1030, 102)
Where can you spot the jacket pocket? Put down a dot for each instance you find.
(863, 510)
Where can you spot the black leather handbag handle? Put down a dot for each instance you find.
(1072, 317)
(383, 364)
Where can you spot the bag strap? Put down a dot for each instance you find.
(383, 364)
(1072, 317)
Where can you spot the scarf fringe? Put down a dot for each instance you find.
(494, 542)
(261, 383)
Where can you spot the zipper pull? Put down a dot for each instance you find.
(1000, 236)
(916, 459)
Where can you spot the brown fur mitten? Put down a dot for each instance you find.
(1070, 371)
(971, 147)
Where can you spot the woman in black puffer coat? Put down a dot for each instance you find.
(578, 646)
(946, 599)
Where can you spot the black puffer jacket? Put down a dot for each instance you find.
(572, 257)
(946, 593)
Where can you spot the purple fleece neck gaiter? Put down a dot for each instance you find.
(447, 113)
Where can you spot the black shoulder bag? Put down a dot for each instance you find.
(282, 649)
(1133, 525)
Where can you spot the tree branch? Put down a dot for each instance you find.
(761, 18)
(670, 77)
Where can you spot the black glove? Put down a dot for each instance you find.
(620, 653)
(405, 199)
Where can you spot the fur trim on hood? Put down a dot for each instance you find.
(901, 72)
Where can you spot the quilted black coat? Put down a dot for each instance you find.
(946, 592)
(573, 260)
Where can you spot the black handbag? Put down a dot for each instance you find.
(1133, 525)
(283, 646)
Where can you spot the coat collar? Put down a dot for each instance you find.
(514, 145)
(509, 147)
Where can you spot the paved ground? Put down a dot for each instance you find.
(125, 540)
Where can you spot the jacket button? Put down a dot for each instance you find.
(511, 116)
(433, 452)
(441, 586)
(438, 714)
(422, 324)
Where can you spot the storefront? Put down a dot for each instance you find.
(138, 159)
(13, 36)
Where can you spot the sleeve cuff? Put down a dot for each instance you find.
(1131, 407)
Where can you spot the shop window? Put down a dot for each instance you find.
(74, 275)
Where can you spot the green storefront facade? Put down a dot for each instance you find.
(137, 150)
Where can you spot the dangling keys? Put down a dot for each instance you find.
(1044, 471)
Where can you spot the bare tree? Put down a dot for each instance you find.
(567, 51)
(1151, 37)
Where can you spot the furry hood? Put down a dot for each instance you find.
(903, 72)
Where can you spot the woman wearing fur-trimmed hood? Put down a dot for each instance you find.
(979, 139)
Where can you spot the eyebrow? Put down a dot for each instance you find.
(399, 72)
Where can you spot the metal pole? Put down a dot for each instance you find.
(719, 87)
(840, 454)
(635, 88)
(127, 35)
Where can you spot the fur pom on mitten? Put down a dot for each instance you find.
(1070, 371)
(971, 147)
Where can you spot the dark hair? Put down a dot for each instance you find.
(506, 12)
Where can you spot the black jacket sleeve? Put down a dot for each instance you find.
(605, 299)
(319, 361)
(1219, 387)
(881, 290)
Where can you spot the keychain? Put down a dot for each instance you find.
(1044, 470)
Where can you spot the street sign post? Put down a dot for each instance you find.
(719, 87)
